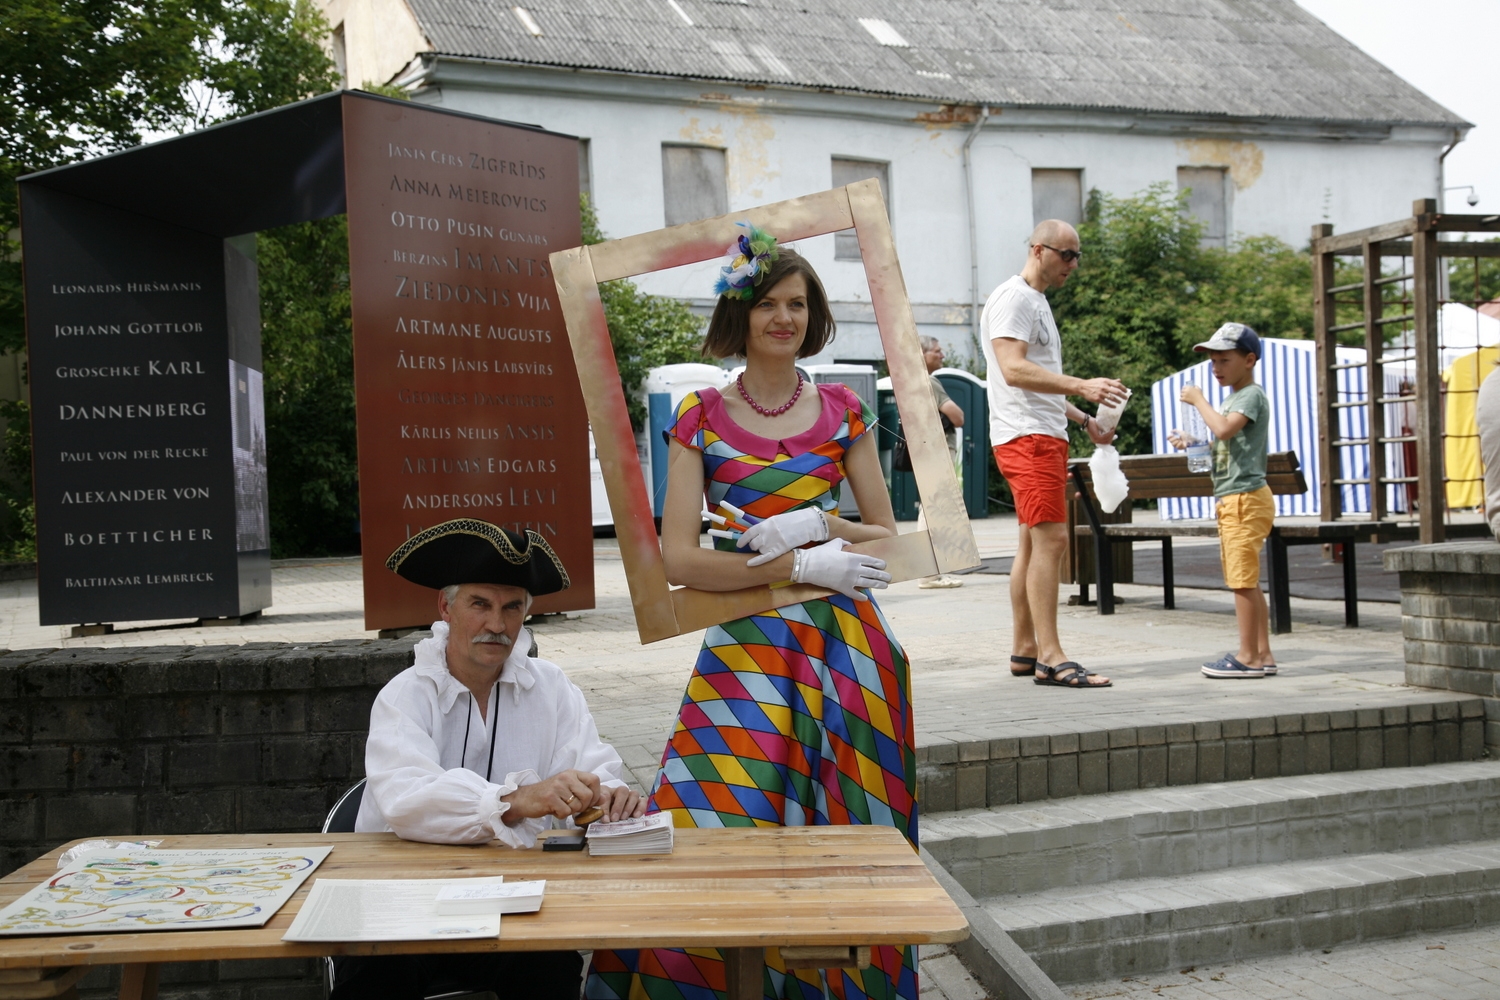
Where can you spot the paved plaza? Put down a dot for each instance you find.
(958, 644)
(957, 641)
(1427, 967)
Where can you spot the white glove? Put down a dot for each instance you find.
(830, 566)
(781, 533)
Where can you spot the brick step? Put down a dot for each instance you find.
(972, 773)
(1207, 828)
(1086, 933)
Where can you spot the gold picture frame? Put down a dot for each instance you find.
(661, 610)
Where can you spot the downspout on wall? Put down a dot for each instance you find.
(984, 115)
(1442, 177)
(1442, 203)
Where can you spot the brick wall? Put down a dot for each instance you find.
(1450, 618)
(260, 738)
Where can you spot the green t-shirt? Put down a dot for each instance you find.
(1240, 462)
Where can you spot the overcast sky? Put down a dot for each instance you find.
(1447, 49)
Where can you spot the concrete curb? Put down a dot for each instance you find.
(981, 774)
(1006, 971)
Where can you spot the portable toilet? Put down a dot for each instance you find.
(598, 498)
(971, 394)
(603, 517)
(664, 389)
(860, 379)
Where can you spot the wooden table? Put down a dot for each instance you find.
(822, 895)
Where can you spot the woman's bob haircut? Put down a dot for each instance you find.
(731, 320)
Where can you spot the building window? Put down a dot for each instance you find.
(585, 172)
(1207, 201)
(340, 55)
(694, 182)
(1057, 194)
(847, 171)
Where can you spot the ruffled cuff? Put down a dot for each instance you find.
(523, 834)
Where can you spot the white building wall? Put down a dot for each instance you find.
(780, 144)
(379, 37)
(1279, 186)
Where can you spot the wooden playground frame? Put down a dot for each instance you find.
(1415, 240)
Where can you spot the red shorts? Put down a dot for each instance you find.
(1036, 467)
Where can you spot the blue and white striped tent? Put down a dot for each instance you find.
(1287, 374)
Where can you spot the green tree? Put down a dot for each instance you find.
(308, 349)
(645, 330)
(1474, 279)
(1121, 311)
(263, 54)
(272, 56)
(84, 77)
(1147, 290)
(1261, 282)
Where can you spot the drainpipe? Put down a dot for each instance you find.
(1442, 177)
(1442, 207)
(984, 116)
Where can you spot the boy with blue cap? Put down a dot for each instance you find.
(1241, 427)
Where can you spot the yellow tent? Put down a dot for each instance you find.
(1461, 459)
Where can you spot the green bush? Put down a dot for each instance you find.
(645, 330)
(17, 506)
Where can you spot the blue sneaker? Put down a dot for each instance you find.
(1230, 666)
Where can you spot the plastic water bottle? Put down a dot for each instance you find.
(1195, 433)
(1199, 457)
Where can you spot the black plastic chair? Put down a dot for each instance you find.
(341, 820)
(346, 810)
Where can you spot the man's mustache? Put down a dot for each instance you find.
(499, 638)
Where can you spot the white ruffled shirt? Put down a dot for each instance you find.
(422, 783)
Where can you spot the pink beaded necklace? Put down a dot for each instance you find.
(763, 411)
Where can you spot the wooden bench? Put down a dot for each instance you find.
(1156, 477)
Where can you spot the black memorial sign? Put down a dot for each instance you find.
(148, 436)
(143, 325)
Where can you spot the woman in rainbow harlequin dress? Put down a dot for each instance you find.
(799, 716)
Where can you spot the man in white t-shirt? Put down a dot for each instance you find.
(1029, 414)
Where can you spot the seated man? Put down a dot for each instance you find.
(479, 741)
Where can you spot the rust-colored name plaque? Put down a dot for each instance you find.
(467, 399)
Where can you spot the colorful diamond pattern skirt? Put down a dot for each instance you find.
(795, 717)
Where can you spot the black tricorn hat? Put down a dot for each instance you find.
(469, 550)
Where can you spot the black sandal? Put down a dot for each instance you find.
(1073, 675)
(1028, 666)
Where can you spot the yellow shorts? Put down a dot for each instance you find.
(1244, 522)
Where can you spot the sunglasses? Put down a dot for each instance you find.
(1068, 256)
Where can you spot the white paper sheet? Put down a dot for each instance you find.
(148, 890)
(385, 910)
(472, 895)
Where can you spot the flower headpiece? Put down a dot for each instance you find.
(750, 258)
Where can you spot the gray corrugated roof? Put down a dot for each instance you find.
(1239, 58)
